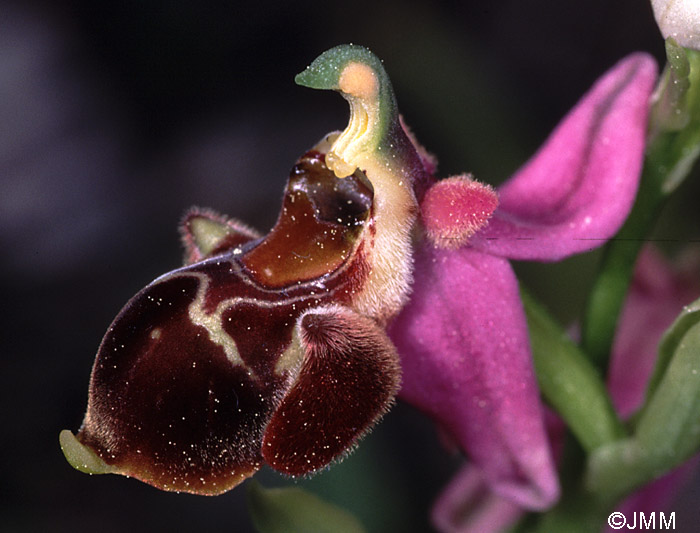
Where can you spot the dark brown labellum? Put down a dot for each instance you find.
(251, 345)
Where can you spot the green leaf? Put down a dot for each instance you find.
(569, 381)
(668, 428)
(670, 423)
(293, 510)
(670, 342)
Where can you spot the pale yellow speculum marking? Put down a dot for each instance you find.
(290, 358)
(360, 85)
(212, 321)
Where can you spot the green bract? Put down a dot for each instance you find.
(569, 382)
(668, 428)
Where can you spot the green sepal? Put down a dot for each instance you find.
(569, 381)
(292, 509)
(667, 431)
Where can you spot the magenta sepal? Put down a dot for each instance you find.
(466, 360)
(577, 190)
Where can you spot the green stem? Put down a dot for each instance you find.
(569, 382)
(619, 256)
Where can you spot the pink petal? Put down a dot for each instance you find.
(456, 208)
(468, 506)
(466, 360)
(575, 193)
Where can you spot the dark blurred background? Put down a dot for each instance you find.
(115, 117)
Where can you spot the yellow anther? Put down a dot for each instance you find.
(338, 165)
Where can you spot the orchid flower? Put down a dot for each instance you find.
(467, 505)
(268, 349)
(273, 349)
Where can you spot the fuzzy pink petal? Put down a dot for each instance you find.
(467, 505)
(575, 193)
(466, 362)
(456, 208)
